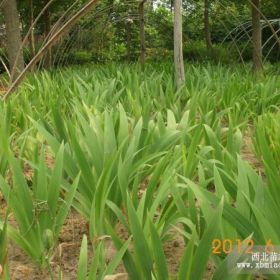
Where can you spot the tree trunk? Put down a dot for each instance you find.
(207, 28)
(15, 54)
(142, 33)
(31, 36)
(178, 44)
(47, 34)
(53, 40)
(256, 36)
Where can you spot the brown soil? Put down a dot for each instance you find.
(66, 255)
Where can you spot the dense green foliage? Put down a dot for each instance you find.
(129, 149)
(111, 31)
(143, 162)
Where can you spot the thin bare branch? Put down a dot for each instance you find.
(50, 43)
(268, 22)
(29, 32)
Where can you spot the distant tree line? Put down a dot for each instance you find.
(134, 30)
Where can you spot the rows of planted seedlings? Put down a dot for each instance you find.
(129, 150)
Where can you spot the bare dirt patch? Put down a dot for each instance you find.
(65, 259)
